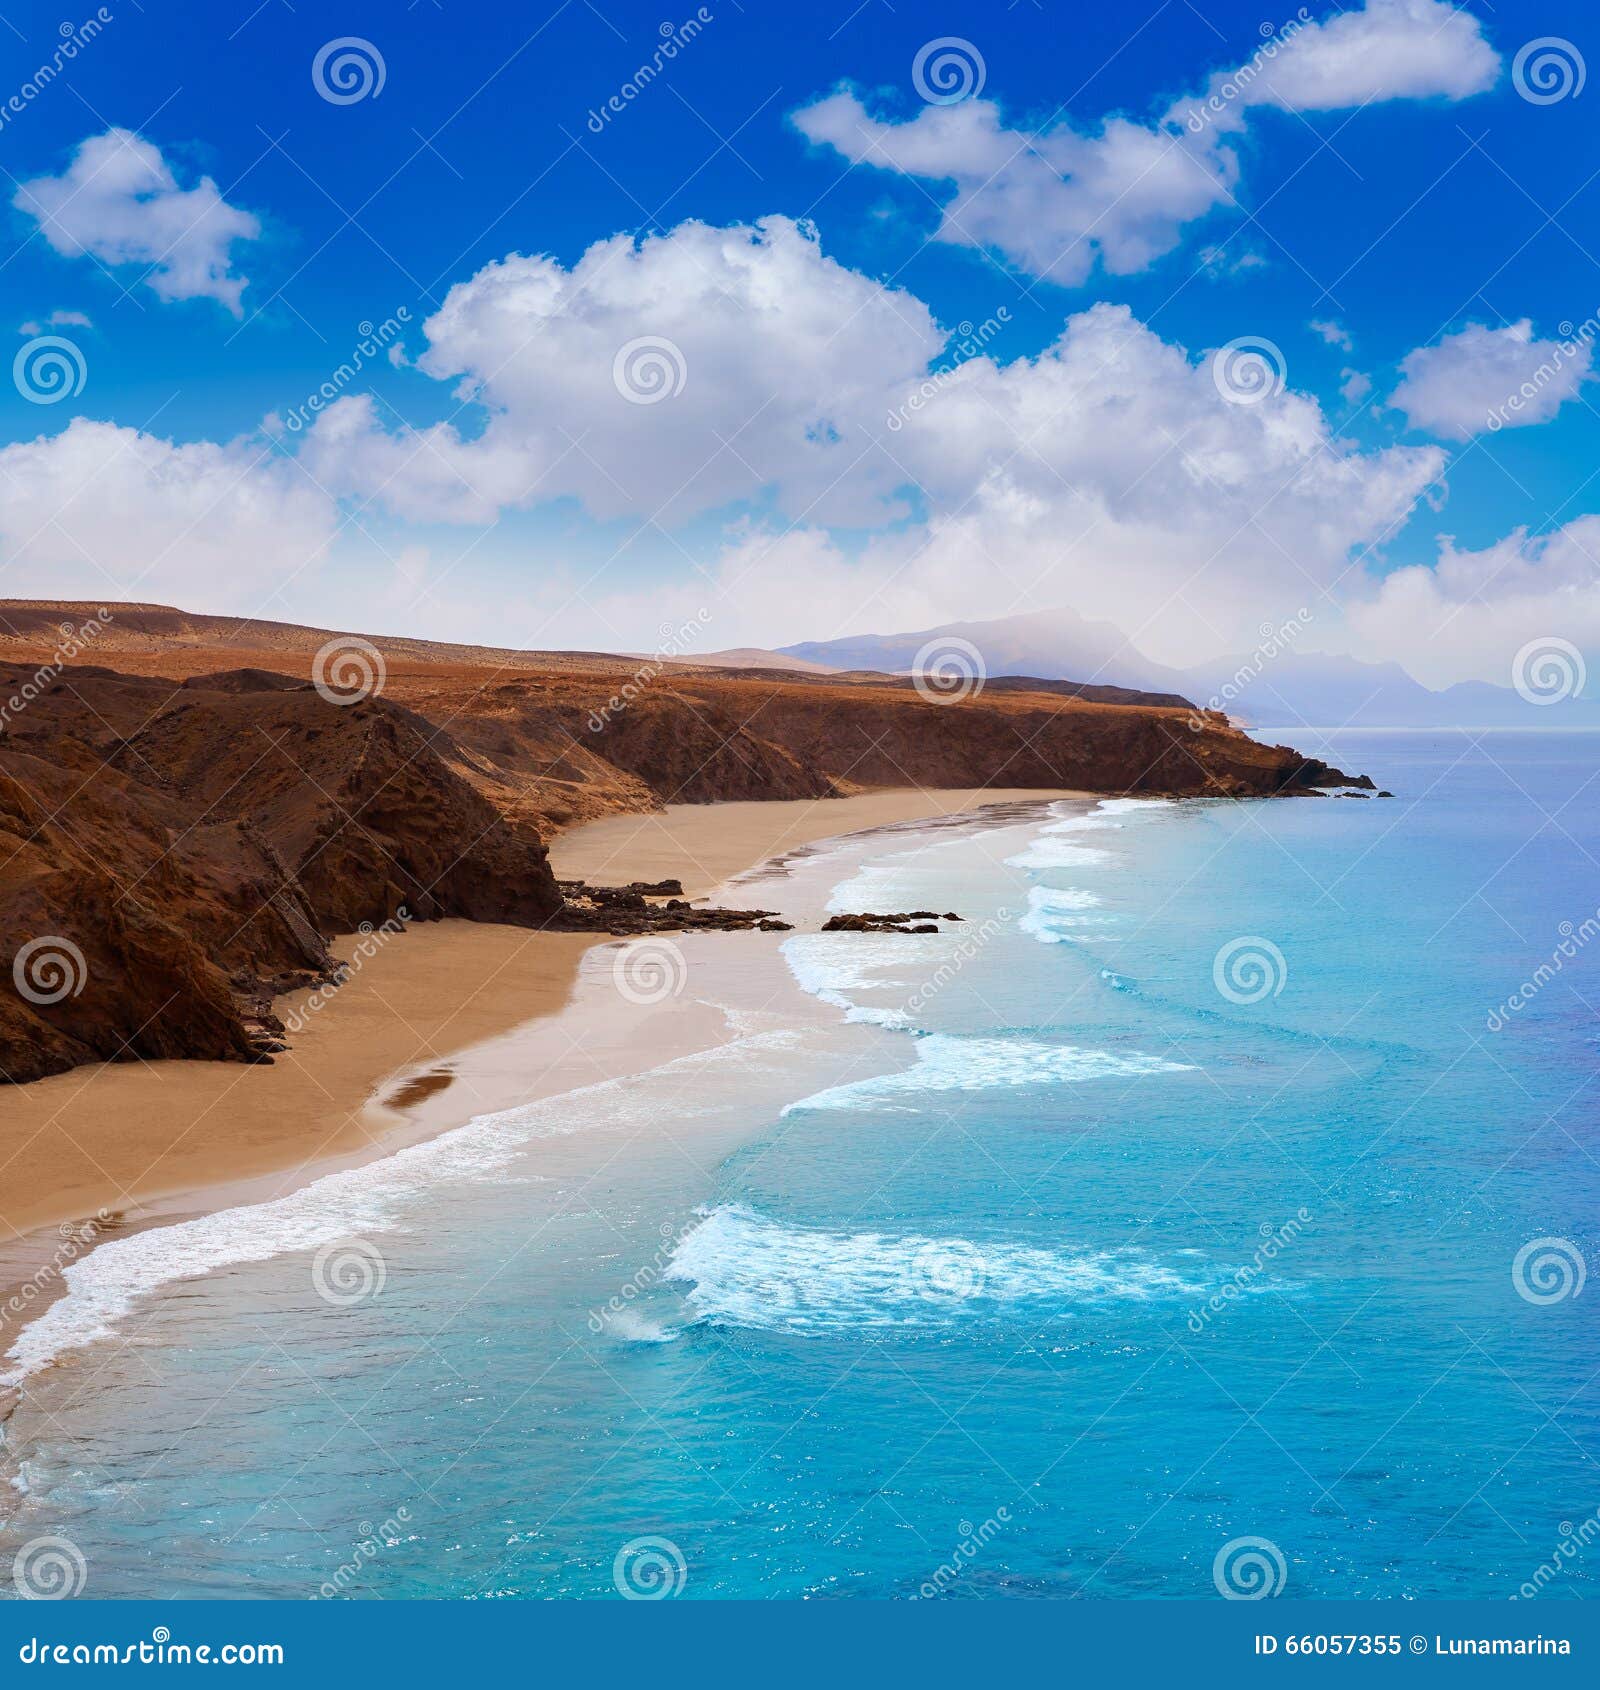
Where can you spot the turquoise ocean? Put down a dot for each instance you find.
(1210, 1208)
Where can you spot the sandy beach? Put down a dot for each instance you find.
(386, 1058)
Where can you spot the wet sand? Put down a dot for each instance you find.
(391, 1056)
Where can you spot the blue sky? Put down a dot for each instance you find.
(1437, 206)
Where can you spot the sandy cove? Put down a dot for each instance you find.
(387, 1058)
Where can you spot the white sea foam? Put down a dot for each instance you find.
(1055, 912)
(1049, 849)
(104, 1286)
(746, 1269)
(948, 1063)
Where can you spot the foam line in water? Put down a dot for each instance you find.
(110, 1281)
(747, 1269)
(948, 1063)
(1054, 912)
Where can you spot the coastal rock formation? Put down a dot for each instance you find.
(178, 855)
(182, 835)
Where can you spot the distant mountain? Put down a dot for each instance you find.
(1288, 690)
(1055, 645)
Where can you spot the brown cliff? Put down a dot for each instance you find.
(198, 821)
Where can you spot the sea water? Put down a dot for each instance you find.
(1211, 1205)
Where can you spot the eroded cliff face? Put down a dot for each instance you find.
(195, 839)
(197, 845)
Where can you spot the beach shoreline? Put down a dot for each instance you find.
(411, 1046)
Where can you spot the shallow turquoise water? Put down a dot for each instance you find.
(1095, 1242)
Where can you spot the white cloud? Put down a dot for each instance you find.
(57, 320)
(1333, 333)
(1057, 201)
(1386, 50)
(780, 364)
(1355, 385)
(100, 511)
(1467, 617)
(119, 201)
(1052, 203)
(1483, 380)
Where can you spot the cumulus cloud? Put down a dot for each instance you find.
(1385, 50)
(1468, 616)
(653, 379)
(1483, 380)
(1110, 471)
(119, 201)
(101, 511)
(1060, 200)
(1333, 333)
